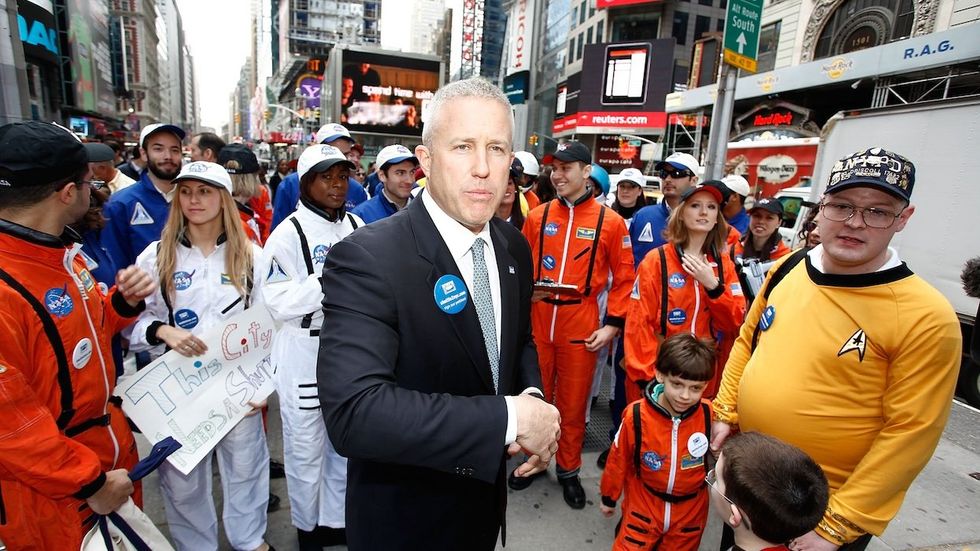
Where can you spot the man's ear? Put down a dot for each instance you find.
(659, 376)
(735, 520)
(424, 157)
(66, 195)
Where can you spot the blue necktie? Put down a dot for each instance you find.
(484, 308)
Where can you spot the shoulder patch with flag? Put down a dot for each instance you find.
(140, 216)
(626, 242)
(276, 273)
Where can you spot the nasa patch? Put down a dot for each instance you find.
(551, 228)
(653, 461)
(676, 280)
(320, 254)
(183, 280)
(58, 301)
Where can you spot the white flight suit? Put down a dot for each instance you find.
(316, 476)
(205, 297)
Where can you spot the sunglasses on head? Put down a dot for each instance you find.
(674, 173)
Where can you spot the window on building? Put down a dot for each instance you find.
(588, 36)
(571, 52)
(705, 2)
(578, 46)
(643, 26)
(598, 32)
(591, 11)
(859, 24)
(679, 31)
(720, 25)
(768, 41)
(581, 12)
(702, 24)
(723, 5)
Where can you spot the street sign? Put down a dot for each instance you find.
(742, 24)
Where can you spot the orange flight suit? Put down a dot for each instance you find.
(58, 433)
(689, 309)
(662, 475)
(569, 247)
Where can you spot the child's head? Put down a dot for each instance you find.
(684, 366)
(768, 487)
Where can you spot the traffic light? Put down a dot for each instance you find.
(238, 118)
(316, 113)
(533, 140)
(266, 115)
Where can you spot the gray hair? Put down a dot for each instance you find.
(476, 87)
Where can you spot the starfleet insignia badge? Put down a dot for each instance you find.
(276, 273)
(646, 235)
(856, 342)
(140, 216)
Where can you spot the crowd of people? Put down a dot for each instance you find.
(456, 305)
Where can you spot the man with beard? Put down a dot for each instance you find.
(136, 214)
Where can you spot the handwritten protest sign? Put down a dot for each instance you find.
(198, 400)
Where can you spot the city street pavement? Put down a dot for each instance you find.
(940, 512)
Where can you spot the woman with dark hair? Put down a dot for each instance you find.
(703, 296)
(629, 194)
(206, 267)
(809, 233)
(763, 241)
(545, 189)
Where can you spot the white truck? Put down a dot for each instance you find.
(942, 139)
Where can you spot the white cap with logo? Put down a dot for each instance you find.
(161, 127)
(681, 161)
(210, 173)
(529, 162)
(318, 158)
(332, 132)
(631, 175)
(394, 154)
(737, 184)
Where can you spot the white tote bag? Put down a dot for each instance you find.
(126, 529)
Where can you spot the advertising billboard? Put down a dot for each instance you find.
(35, 24)
(88, 38)
(623, 87)
(383, 93)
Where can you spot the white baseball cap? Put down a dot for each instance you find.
(529, 163)
(161, 127)
(318, 158)
(203, 171)
(394, 154)
(631, 175)
(681, 161)
(332, 132)
(737, 184)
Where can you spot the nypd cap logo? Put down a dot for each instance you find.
(874, 167)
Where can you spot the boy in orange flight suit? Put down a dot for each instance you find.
(660, 455)
(576, 242)
(64, 449)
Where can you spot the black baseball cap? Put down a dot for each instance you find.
(247, 162)
(725, 191)
(770, 204)
(570, 151)
(876, 168)
(516, 168)
(98, 152)
(34, 153)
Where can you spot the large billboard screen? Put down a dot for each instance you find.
(88, 35)
(385, 94)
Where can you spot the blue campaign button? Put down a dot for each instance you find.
(549, 262)
(551, 228)
(676, 316)
(450, 294)
(676, 280)
(186, 319)
(767, 318)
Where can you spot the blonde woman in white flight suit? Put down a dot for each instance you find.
(202, 245)
(292, 262)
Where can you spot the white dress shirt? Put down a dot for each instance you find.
(460, 240)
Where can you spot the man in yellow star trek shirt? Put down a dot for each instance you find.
(852, 357)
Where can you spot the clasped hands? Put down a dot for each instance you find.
(538, 431)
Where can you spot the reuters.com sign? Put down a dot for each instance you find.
(615, 3)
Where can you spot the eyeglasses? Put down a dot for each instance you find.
(710, 479)
(873, 217)
(95, 184)
(675, 174)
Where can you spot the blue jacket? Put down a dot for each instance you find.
(375, 209)
(97, 259)
(647, 229)
(740, 221)
(287, 196)
(134, 218)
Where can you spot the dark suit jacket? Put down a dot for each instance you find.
(406, 390)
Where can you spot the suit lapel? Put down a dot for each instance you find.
(466, 324)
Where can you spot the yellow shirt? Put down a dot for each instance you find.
(856, 370)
